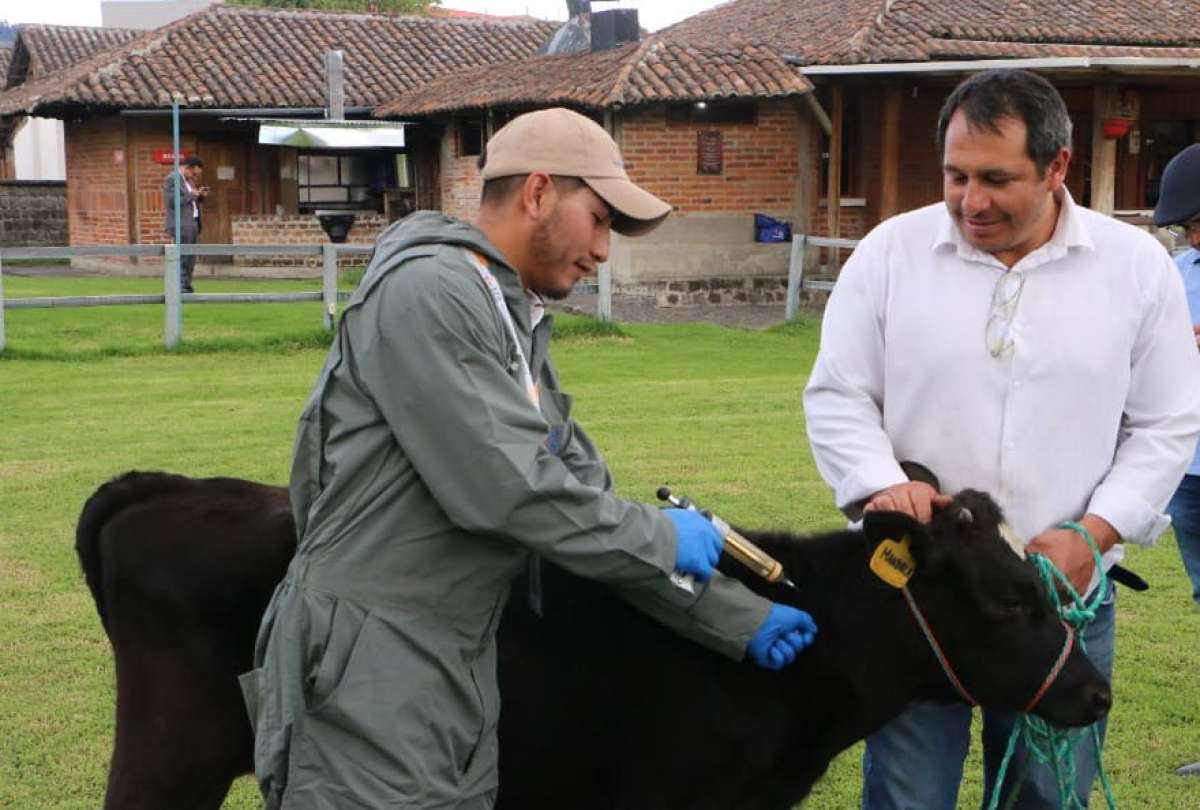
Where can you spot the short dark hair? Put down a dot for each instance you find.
(193, 160)
(987, 97)
(499, 189)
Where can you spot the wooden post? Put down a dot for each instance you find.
(833, 193)
(889, 175)
(604, 292)
(1104, 153)
(173, 329)
(795, 276)
(2, 339)
(329, 285)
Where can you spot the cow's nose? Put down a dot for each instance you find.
(1101, 700)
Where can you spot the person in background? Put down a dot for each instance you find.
(437, 451)
(184, 185)
(1179, 209)
(1013, 342)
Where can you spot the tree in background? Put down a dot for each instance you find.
(388, 6)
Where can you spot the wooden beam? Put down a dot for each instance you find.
(833, 193)
(889, 176)
(1104, 153)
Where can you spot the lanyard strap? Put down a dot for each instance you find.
(489, 281)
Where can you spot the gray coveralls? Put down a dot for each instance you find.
(423, 478)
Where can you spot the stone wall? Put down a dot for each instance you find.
(33, 213)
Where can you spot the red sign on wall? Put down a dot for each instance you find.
(167, 156)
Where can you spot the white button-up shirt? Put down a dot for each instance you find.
(1096, 408)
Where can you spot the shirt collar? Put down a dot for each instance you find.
(1069, 232)
(537, 309)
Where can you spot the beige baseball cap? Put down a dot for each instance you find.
(562, 142)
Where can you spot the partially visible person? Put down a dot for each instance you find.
(1179, 209)
(436, 452)
(185, 186)
(1017, 343)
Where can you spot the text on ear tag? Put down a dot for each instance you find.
(893, 562)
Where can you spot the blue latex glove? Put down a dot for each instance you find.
(784, 633)
(698, 543)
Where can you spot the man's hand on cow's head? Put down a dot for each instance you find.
(914, 498)
(1071, 554)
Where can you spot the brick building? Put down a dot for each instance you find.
(820, 112)
(716, 130)
(231, 69)
(856, 149)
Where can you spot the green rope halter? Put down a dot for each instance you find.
(1046, 744)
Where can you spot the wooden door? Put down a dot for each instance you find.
(225, 175)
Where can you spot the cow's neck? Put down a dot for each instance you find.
(870, 659)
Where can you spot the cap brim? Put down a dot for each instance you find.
(1165, 217)
(638, 211)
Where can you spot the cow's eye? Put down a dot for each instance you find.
(1012, 606)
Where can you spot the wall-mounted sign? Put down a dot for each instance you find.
(225, 173)
(710, 152)
(167, 157)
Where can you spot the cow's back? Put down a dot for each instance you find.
(181, 570)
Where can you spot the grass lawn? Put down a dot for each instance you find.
(86, 394)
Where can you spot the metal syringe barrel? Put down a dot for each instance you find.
(749, 554)
(738, 547)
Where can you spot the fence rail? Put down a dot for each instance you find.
(172, 296)
(796, 281)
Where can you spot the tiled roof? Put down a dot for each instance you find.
(649, 71)
(438, 11)
(40, 50)
(5, 58)
(974, 49)
(238, 57)
(865, 31)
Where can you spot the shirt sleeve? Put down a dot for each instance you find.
(843, 400)
(439, 369)
(1161, 420)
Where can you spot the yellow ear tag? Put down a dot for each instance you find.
(893, 562)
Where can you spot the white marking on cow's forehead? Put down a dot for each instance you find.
(1014, 542)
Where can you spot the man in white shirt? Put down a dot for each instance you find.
(1014, 342)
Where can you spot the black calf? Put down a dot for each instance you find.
(603, 709)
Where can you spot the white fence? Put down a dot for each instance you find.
(172, 295)
(796, 280)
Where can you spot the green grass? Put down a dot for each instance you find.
(86, 394)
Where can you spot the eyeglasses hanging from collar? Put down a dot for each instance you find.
(998, 335)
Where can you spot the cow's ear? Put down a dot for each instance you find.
(896, 543)
(917, 471)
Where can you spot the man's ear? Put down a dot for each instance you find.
(1056, 170)
(537, 195)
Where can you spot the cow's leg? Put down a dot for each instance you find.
(182, 732)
